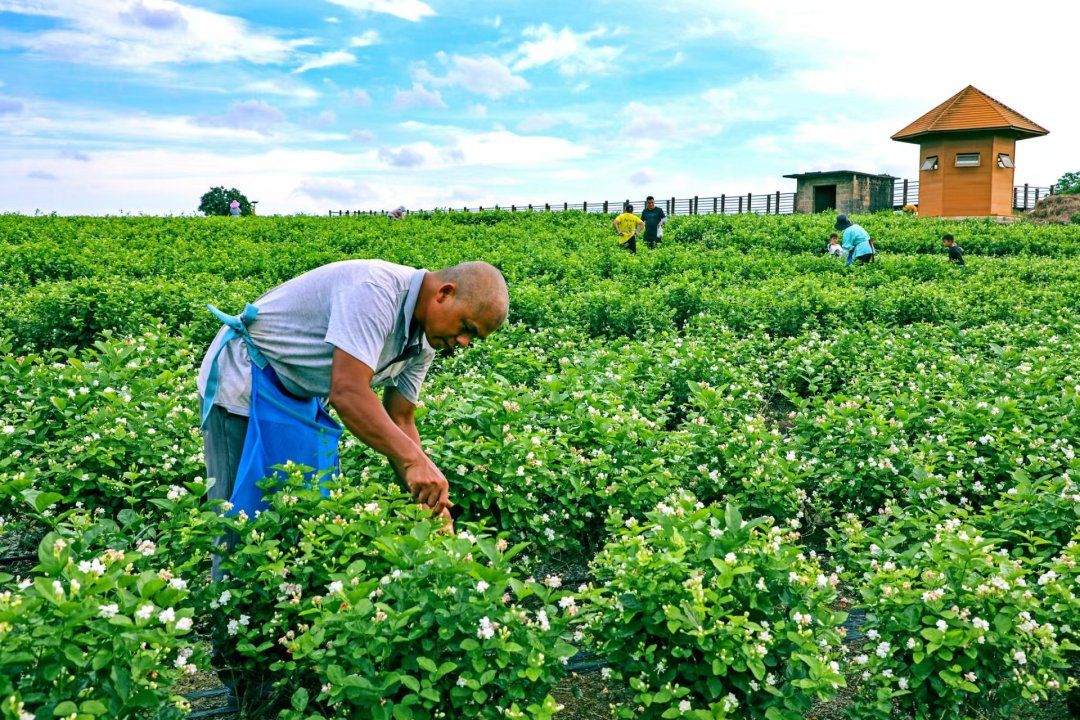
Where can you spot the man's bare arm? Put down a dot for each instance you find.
(402, 413)
(366, 418)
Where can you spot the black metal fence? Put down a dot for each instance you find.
(905, 192)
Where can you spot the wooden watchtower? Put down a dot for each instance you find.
(967, 155)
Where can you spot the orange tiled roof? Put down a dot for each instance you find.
(970, 109)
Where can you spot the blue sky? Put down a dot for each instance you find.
(142, 105)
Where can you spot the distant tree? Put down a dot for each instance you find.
(1069, 184)
(216, 202)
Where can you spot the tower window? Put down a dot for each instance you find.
(930, 163)
(967, 160)
(1005, 160)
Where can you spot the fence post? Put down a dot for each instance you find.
(565, 206)
(740, 204)
(513, 208)
(723, 202)
(605, 207)
(672, 206)
(694, 210)
(1025, 195)
(547, 207)
(777, 202)
(1036, 196)
(905, 193)
(1014, 198)
(768, 204)
(714, 206)
(585, 207)
(749, 203)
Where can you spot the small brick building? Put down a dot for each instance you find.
(967, 155)
(844, 190)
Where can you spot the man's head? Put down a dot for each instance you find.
(628, 207)
(947, 238)
(650, 202)
(460, 303)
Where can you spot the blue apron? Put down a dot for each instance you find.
(281, 427)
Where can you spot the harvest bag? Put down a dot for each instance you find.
(281, 427)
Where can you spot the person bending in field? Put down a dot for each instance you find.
(855, 240)
(956, 253)
(333, 334)
(628, 225)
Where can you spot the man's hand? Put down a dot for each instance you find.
(427, 485)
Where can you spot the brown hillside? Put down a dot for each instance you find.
(1056, 209)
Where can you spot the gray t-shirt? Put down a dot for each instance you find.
(364, 307)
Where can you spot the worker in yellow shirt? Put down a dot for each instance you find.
(628, 225)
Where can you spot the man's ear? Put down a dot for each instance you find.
(445, 291)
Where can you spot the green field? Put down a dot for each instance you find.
(754, 482)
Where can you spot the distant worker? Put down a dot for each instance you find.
(234, 208)
(855, 240)
(628, 225)
(834, 247)
(654, 219)
(397, 213)
(956, 253)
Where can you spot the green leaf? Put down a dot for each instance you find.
(300, 699)
(65, 708)
(93, 707)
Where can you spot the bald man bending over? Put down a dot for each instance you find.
(341, 330)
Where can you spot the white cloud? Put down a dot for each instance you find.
(357, 96)
(332, 20)
(246, 115)
(570, 52)
(364, 136)
(336, 190)
(642, 177)
(646, 121)
(707, 27)
(412, 10)
(366, 39)
(161, 17)
(405, 157)
(325, 60)
(768, 144)
(56, 125)
(10, 106)
(467, 194)
(326, 118)
(41, 175)
(143, 34)
(418, 97)
(482, 75)
(282, 86)
(74, 155)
